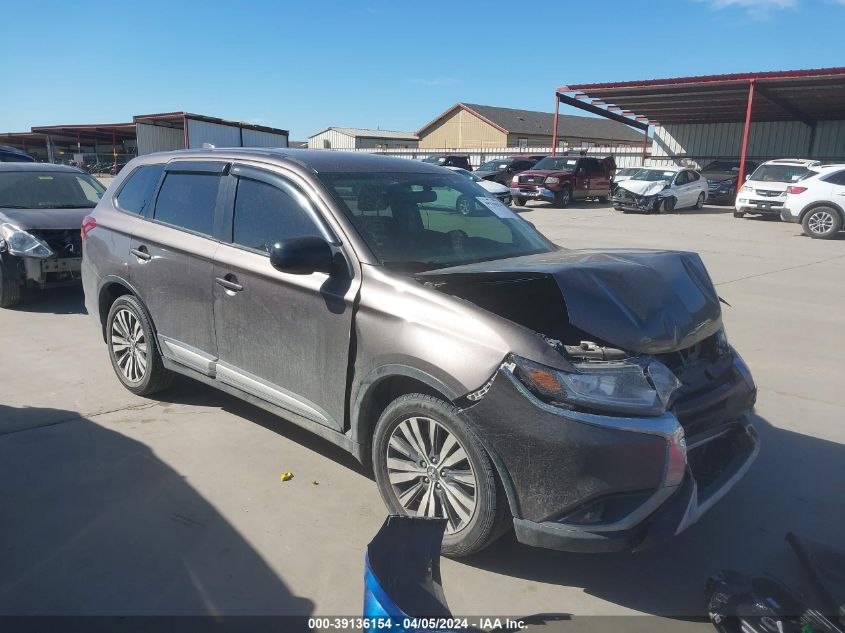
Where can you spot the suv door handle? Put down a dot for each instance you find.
(229, 283)
(141, 253)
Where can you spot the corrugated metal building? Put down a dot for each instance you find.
(759, 116)
(479, 126)
(183, 130)
(361, 138)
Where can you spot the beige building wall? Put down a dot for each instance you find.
(462, 129)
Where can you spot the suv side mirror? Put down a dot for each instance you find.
(748, 176)
(302, 256)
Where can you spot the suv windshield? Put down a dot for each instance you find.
(653, 175)
(495, 165)
(412, 222)
(556, 164)
(48, 190)
(435, 160)
(779, 173)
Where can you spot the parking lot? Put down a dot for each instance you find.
(116, 504)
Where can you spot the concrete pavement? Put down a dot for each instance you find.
(115, 504)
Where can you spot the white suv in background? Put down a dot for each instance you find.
(764, 190)
(817, 201)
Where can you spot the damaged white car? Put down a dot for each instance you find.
(661, 190)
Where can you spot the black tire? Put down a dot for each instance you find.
(739, 214)
(465, 205)
(490, 516)
(822, 223)
(154, 377)
(11, 288)
(667, 205)
(520, 202)
(563, 197)
(699, 204)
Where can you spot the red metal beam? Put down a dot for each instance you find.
(741, 176)
(554, 127)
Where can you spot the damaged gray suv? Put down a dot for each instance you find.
(589, 399)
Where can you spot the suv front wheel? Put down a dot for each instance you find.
(428, 463)
(822, 223)
(132, 349)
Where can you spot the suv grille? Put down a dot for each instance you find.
(767, 193)
(63, 242)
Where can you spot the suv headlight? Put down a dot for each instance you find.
(552, 180)
(19, 242)
(515, 179)
(633, 387)
(746, 189)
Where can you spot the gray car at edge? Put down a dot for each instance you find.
(588, 399)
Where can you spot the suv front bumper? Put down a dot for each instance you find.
(540, 193)
(561, 466)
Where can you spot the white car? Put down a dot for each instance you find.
(661, 189)
(817, 201)
(497, 190)
(764, 190)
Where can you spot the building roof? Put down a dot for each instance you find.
(359, 132)
(89, 132)
(529, 122)
(804, 95)
(177, 119)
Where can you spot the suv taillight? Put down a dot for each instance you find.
(89, 223)
(796, 189)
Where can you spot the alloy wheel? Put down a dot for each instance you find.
(820, 222)
(430, 472)
(565, 195)
(129, 345)
(465, 206)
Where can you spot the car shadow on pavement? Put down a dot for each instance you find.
(796, 485)
(69, 300)
(191, 392)
(95, 524)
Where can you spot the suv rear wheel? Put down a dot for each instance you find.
(428, 462)
(134, 355)
(822, 223)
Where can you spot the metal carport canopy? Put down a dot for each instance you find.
(789, 95)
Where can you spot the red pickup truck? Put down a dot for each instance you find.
(561, 179)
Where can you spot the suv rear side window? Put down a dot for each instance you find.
(837, 178)
(138, 190)
(188, 201)
(265, 214)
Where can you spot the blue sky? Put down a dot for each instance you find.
(304, 66)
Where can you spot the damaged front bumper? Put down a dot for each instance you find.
(623, 199)
(583, 482)
(51, 272)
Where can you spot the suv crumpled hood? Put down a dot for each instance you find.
(26, 219)
(643, 301)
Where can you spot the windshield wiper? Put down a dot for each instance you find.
(14, 206)
(70, 206)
